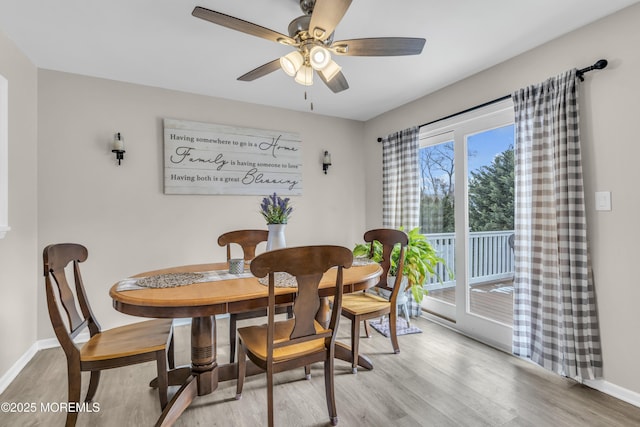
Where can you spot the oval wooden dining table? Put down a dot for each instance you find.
(202, 301)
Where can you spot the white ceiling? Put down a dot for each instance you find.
(158, 43)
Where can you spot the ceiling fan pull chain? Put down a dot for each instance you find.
(305, 98)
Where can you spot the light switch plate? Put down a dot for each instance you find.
(603, 200)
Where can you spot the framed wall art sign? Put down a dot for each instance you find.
(205, 158)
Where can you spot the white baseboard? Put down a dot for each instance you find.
(614, 390)
(43, 344)
(17, 367)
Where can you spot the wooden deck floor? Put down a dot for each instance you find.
(493, 300)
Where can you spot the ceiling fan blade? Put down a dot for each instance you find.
(241, 25)
(261, 71)
(326, 16)
(382, 46)
(337, 84)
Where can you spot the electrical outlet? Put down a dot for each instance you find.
(603, 200)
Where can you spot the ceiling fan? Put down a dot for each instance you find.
(312, 37)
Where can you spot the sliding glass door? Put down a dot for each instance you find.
(437, 218)
(467, 215)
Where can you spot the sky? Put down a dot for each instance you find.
(487, 144)
(484, 147)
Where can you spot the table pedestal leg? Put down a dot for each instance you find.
(203, 378)
(203, 353)
(323, 316)
(177, 376)
(342, 351)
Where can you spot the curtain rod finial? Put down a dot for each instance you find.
(602, 63)
(379, 139)
(599, 65)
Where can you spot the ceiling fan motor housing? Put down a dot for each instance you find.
(299, 25)
(307, 6)
(299, 30)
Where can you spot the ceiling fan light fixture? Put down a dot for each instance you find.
(330, 71)
(319, 57)
(291, 62)
(304, 76)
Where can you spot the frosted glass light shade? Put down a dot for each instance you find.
(291, 62)
(330, 71)
(319, 57)
(304, 76)
(326, 158)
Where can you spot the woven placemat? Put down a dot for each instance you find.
(170, 280)
(281, 280)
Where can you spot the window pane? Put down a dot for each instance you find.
(436, 188)
(437, 206)
(491, 197)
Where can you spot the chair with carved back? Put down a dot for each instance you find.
(123, 346)
(248, 240)
(362, 306)
(300, 341)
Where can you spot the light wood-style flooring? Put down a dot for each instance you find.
(440, 378)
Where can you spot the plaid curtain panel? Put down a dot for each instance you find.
(401, 185)
(400, 179)
(555, 316)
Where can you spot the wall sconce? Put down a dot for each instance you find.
(326, 161)
(118, 147)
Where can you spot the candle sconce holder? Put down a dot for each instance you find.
(326, 162)
(118, 147)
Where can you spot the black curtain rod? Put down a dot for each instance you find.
(599, 65)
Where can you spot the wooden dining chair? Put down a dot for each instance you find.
(248, 240)
(300, 341)
(362, 306)
(127, 345)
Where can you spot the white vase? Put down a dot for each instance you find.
(275, 240)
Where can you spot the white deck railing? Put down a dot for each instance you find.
(491, 257)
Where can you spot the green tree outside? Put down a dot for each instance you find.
(491, 194)
(437, 189)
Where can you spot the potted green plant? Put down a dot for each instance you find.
(420, 261)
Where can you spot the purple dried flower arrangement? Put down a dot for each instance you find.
(275, 209)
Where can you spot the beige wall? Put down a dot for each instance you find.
(610, 109)
(120, 212)
(18, 265)
(62, 124)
